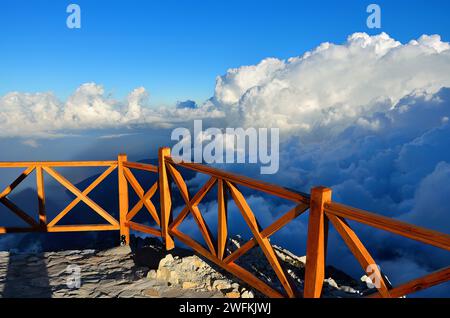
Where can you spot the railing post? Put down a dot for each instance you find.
(165, 197)
(316, 243)
(41, 198)
(123, 200)
(222, 223)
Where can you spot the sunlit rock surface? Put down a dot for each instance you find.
(144, 269)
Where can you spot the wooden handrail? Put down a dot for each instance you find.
(25, 164)
(140, 166)
(269, 188)
(410, 231)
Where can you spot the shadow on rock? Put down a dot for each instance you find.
(148, 252)
(27, 277)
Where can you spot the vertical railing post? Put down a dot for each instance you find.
(41, 198)
(165, 197)
(222, 225)
(123, 200)
(316, 243)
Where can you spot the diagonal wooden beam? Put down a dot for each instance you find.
(16, 182)
(69, 186)
(195, 200)
(268, 231)
(144, 197)
(178, 178)
(19, 212)
(86, 191)
(145, 200)
(360, 252)
(427, 281)
(193, 208)
(264, 243)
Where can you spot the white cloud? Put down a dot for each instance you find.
(43, 115)
(31, 143)
(333, 85)
(328, 87)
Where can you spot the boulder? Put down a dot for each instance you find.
(189, 285)
(233, 294)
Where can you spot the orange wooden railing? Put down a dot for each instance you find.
(43, 225)
(322, 211)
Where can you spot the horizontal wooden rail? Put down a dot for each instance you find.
(15, 229)
(143, 228)
(83, 228)
(410, 231)
(272, 189)
(141, 166)
(25, 164)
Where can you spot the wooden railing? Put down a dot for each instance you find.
(322, 211)
(43, 225)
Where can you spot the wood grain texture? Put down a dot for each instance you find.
(123, 198)
(165, 198)
(316, 244)
(222, 222)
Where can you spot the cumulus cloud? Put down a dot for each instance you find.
(319, 92)
(327, 88)
(43, 115)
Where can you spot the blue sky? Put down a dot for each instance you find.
(175, 49)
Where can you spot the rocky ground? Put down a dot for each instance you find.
(145, 270)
